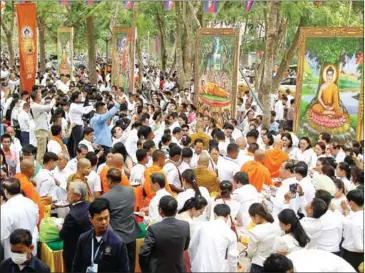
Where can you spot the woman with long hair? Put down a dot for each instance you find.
(268, 141)
(340, 195)
(261, 238)
(192, 189)
(306, 153)
(225, 197)
(295, 237)
(343, 172)
(288, 146)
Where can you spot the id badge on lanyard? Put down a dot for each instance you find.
(93, 267)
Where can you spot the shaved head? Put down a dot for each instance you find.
(241, 142)
(278, 144)
(83, 163)
(252, 148)
(259, 156)
(203, 160)
(27, 167)
(117, 160)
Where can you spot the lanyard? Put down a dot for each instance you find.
(92, 251)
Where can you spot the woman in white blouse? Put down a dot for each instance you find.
(261, 238)
(339, 196)
(268, 141)
(306, 153)
(343, 172)
(320, 149)
(295, 237)
(288, 146)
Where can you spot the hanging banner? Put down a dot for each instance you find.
(27, 35)
(123, 58)
(65, 50)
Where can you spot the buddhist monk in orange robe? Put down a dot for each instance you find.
(27, 171)
(275, 157)
(257, 173)
(117, 163)
(158, 158)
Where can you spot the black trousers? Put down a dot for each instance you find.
(131, 251)
(75, 138)
(24, 138)
(353, 258)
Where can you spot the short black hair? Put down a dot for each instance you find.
(186, 153)
(253, 133)
(81, 147)
(149, 144)
(326, 137)
(88, 131)
(49, 157)
(12, 186)
(157, 154)
(232, 147)
(301, 169)
(21, 236)
(199, 140)
(168, 205)
(99, 105)
(114, 175)
(174, 151)
(98, 206)
(319, 207)
(277, 263)
(356, 196)
(29, 149)
(141, 154)
(324, 195)
(144, 131)
(56, 130)
(93, 158)
(5, 136)
(222, 210)
(220, 135)
(158, 178)
(242, 178)
(229, 126)
(176, 130)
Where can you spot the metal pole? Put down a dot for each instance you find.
(249, 88)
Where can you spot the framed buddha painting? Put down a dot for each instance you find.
(329, 95)
(65, 50)
(216, 72)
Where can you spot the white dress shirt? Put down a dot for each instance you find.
(72, 165)
(18, 212)
(184, 166)
(308, 156)
(331, 236)
(24, 121)
(279, 110)
(88, 144)
(100, 168)
(182, 197)
(243, 157)
(353, 232)
(313, 228)
(286, 244)
(213, 248)
(340, 157)
(227, 168)
(54, 146)
(40, 115)
(131, 144)
(316, 260)
(261, 241)
(93, 179)
(46, 185)
(137, 175)
(172, 174)
(246, 196)
(76, 112)
(153, 214)
(279, 201)
(62, 177)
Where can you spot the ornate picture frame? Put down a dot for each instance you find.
(335, 112)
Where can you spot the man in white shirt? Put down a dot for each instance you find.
(46, 183)
(93, 179)
(24, 119)
(236, 133)
(245, 156)
(228, 166)
(55, 144)
(213, 248)
(88, 139)
(61, 173)
(331, 236)
(228, 130)
(137, 173)
(41, 123)
(171, 169)
(246, 194)
(158, 186)
(81, 152)
(279, 110)
(337, 152)
(176, 136)
(17, 212)
(131, 143)
(353, 228)
(15, 142)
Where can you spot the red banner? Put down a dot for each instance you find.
(27, 34)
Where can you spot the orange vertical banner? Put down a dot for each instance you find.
(27, 34)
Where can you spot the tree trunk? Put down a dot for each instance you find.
(9, 33)
(179, 57)
(161, 28)
(272, 39)
(90, 37)
(42, 45)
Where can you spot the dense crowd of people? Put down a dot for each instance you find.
(211, 190)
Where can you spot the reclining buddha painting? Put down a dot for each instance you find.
(216, 76)
(329, 94)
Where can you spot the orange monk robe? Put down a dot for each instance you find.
(30, 191)
(147, 183)
(257, 173)
(273, 160)
(104, 183)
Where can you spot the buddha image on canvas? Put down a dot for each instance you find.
(330, 93)
(216, 64)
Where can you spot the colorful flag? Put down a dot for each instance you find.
(89, 2)
(248, 4)
(27, 35)
(211, 6)
(169, 5)
(63, 2)
(128, 4)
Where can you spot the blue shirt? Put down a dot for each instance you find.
(103, 135)
(274, 126)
